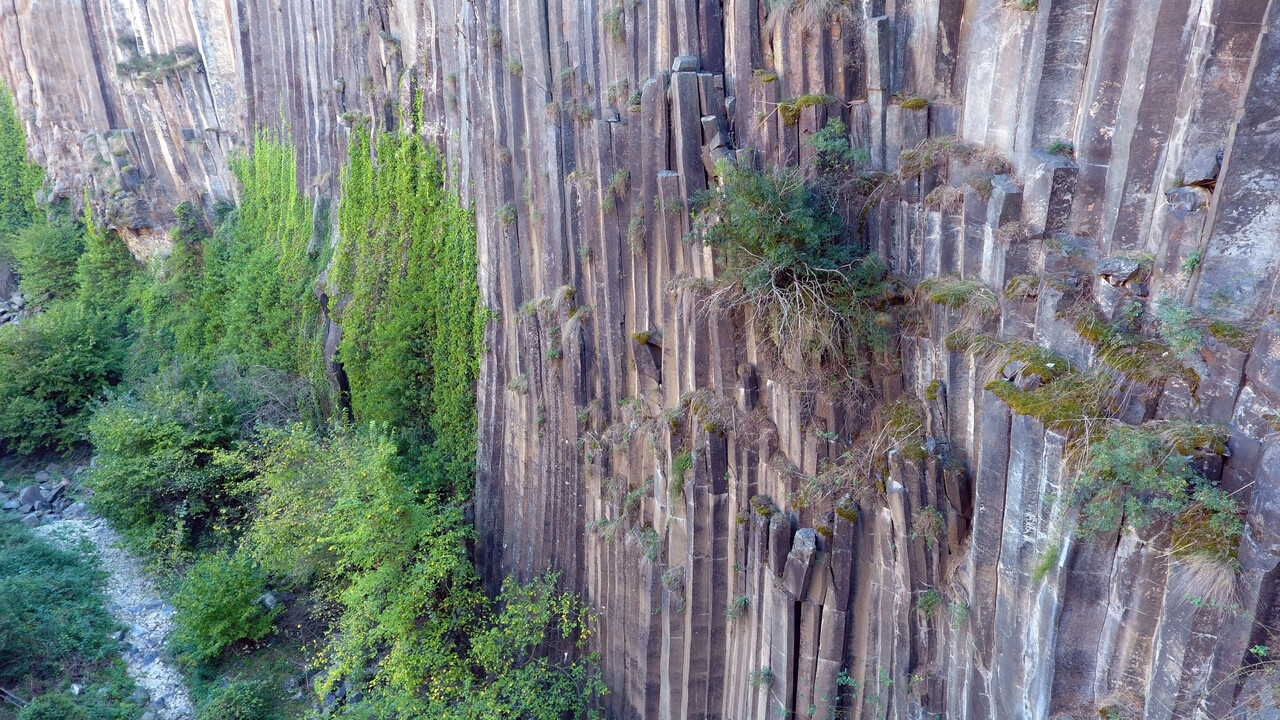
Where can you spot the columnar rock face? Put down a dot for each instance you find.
(581, 130)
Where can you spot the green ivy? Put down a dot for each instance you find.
(413, 327)
(259, 274)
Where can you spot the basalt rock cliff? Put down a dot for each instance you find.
(1165, 185)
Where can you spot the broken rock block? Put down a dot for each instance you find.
(1117, 270)
(685, 63)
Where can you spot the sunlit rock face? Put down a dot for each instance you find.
(1161, 116)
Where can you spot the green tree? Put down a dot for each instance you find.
(19, 179)
(52, 368)
(45, 255)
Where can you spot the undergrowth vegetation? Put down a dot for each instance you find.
(229, 459)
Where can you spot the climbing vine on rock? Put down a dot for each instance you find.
(412, 326)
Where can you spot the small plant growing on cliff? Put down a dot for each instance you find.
(619, 184)
(1061, 147)
(1022, 287)
(928, 524)
(614, 24)
(929, 602)
(519, 384)
(617, 91)
(959, 615)
(673, 579)
(761, 678)
(507, 213)
(1136, 474)
(1192, 263)
(635, 232)
(781, 263)
(1177, 329)
(650, 543)
(915, 103)
(736, 608)
(1047, 563)
(960, 294)
(789, 110)
(515, 66)
(679, 466)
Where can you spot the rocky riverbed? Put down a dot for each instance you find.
(47, 505)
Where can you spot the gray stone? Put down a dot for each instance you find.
(685, 63)
(1011, 369)
(148, 715)
(12, 505)
(267, 599)
(43, 476)
(795, 578)
(30, 495)
(31, 519)
(1117, 270)
(1202, 167)
(140, 695)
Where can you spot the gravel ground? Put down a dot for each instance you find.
(133, 601)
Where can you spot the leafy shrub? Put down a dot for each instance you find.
(1135, 474)
(517, 681)
(238, 701)
(45, 257)
(52, 707)
(833, 149)
(217, 605)
(929, 602)
(156, 478)
(333, 510)
(335, 515)
(257, 304)
(52, 368)
(105, 273)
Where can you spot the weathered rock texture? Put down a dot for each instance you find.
(1170, 106)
